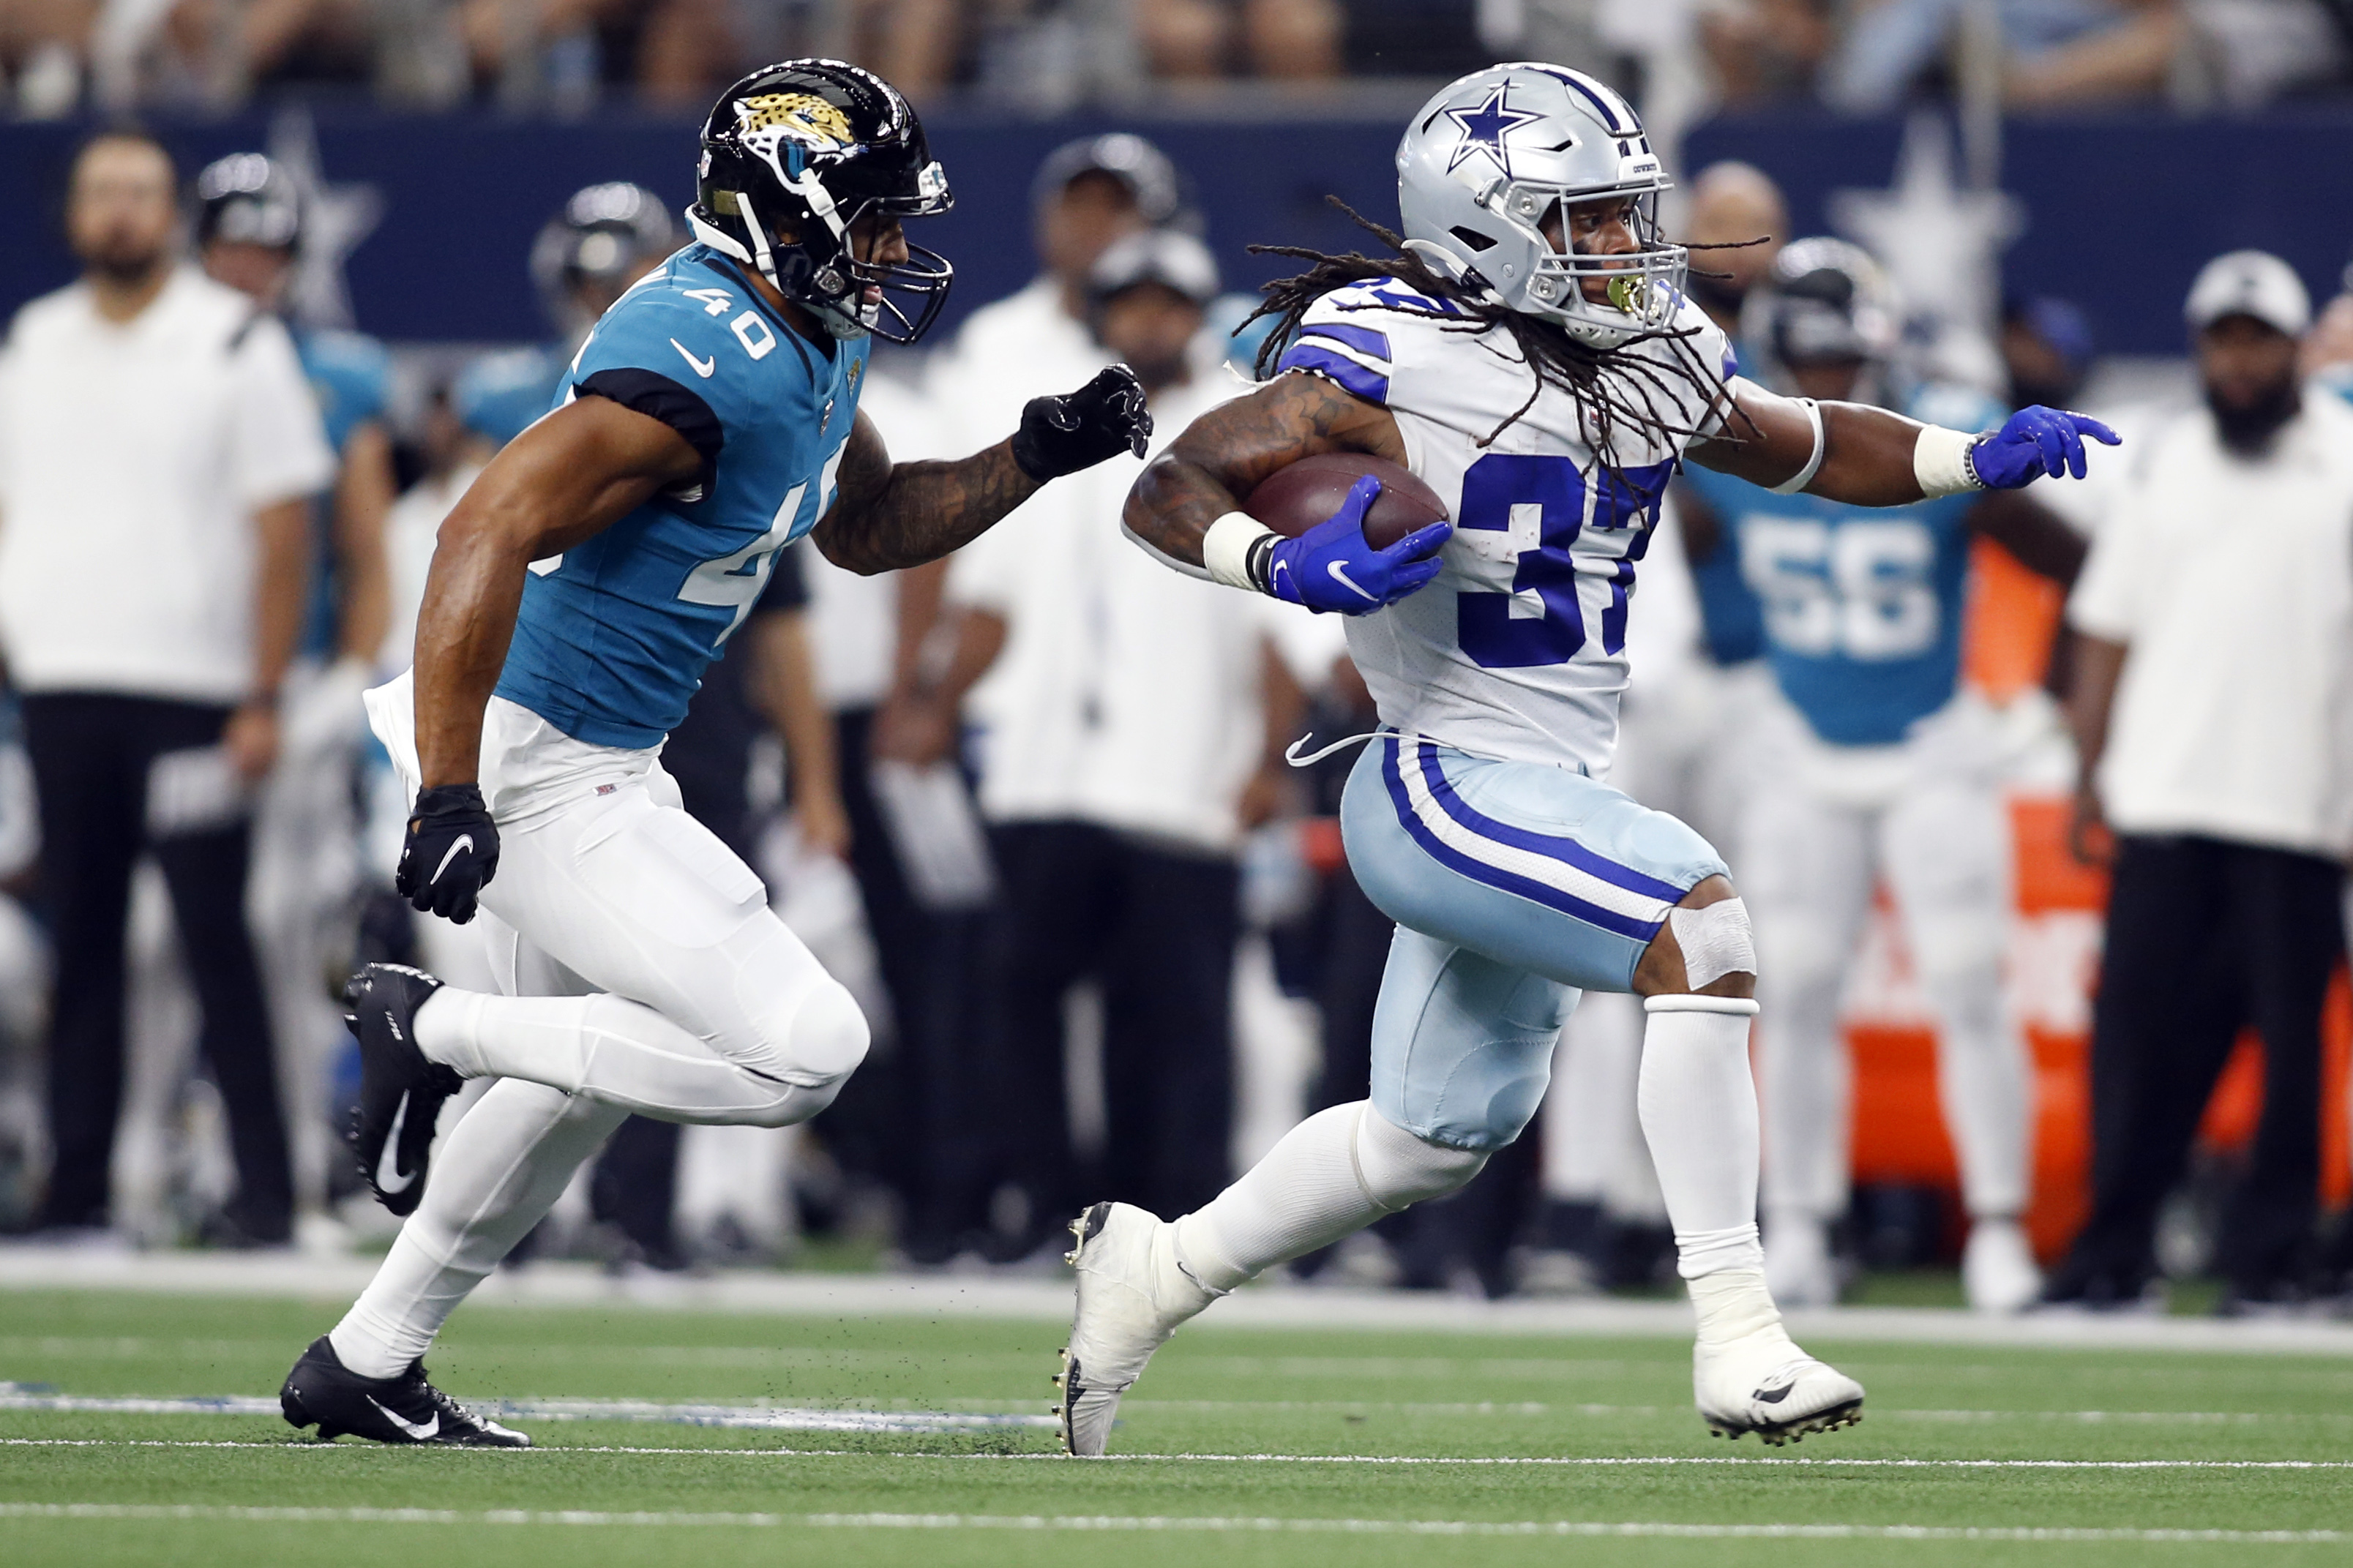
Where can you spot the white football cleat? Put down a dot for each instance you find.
(1799, 1268)
(1132, 1294)
(1998, 1270)
(1762, 1382)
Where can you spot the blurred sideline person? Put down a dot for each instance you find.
(1086, 194)
(2215, 619)
(1873, 760)
(1132, 725)
(1547, 412)
(916, 1116)
(578, 594)
(162, 448)
(250, 232)
(1684, 740)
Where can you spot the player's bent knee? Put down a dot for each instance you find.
(1716, 947)
(1399, 1169)
(829, 1035)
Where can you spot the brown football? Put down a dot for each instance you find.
(1293, 500)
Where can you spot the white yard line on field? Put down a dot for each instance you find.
(1207, 1524)
(1557, 1461)
(769, 1417)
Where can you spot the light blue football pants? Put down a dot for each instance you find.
(1515, 886)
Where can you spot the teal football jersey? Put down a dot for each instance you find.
(1863, 605)
(615, 633)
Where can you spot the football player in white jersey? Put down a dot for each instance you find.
(1529, 354)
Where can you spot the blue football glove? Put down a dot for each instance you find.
(1332, 567)
(2036, 441)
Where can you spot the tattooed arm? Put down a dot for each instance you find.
(1224, 453)
(892, 515)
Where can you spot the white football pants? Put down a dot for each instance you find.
(1822, 824)
(641, 970)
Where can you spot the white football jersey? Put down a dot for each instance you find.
(1517, 650)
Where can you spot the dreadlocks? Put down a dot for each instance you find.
(1612, 389)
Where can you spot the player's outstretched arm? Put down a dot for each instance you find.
(892, 515)
(566, 479)
(1868, 457)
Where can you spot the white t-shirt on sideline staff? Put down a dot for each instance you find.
(2231, 582)
(1126, 695)
(133, 458)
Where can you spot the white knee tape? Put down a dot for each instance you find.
(1716, 941)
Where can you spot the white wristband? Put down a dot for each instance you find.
(1940, 462)
(1226, 549)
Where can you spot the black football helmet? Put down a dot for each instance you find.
(809, 147)
(246, 198)
(603, 238)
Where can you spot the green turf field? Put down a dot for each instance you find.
(1246, 1446)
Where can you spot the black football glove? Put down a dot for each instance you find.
(451, 851)
(1079, 429)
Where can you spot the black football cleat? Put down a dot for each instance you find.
(323, 1391)
(401, 1093)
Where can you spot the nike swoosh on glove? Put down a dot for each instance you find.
(450, 853)
(1062, 435)
(2034, 442)
(1332, 566)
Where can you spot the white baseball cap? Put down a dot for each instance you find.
(2249, 283)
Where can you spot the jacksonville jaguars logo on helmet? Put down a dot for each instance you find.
(803, 116)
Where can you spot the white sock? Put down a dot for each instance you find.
(496, 1174)
(626, 1054)
(1329, 1178)
(1698, 1105)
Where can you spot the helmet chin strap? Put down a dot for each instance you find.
(763, 257)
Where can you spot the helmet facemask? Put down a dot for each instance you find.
(1645, 284)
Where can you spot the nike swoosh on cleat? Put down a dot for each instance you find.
(1774, 1395)
(1335, 568)
(388, 1163)
(423, 1431)
(465, 841)
(702, 367)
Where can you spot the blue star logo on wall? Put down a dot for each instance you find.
(1483, 129)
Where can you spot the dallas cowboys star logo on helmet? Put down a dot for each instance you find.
(1483, 129)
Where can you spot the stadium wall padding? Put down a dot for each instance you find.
(2121, 208)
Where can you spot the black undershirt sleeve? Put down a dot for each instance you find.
(657, 397)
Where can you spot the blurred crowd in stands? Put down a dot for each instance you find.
(1045, 55)
(1032, 804)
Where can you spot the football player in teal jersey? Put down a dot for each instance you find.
(1872, 761)
(576, 594)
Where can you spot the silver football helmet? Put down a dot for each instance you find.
(1486, 162)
